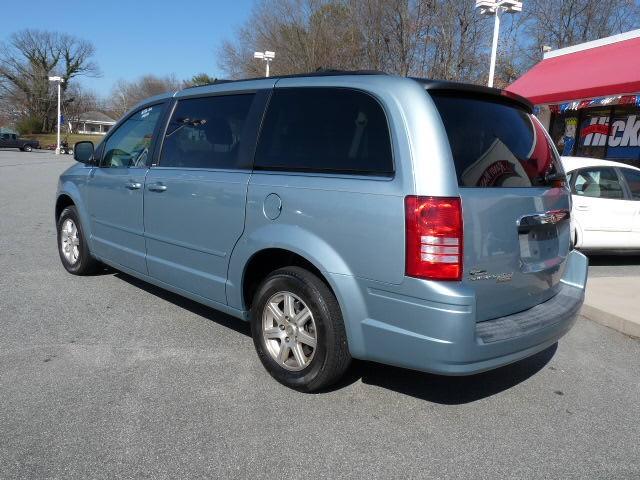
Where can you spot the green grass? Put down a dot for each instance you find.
(51, 139)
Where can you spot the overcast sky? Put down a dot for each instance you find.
(135, 37)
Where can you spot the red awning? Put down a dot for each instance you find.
(612, 69)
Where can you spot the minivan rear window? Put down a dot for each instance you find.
(495, 144)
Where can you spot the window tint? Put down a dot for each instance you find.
(496, 145)
(129, 145)
(206, 132)
(325, 130)
(633, 180)
(598, 183)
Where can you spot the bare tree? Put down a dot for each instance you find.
(562, 23)
(125, 95)
(306, 34)
(446, 39)
(439, 38)
(27, 60)
(457, 46)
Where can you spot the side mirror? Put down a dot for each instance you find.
(83, 151)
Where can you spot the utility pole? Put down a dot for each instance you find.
(59, 80)
(267, 56)
(496, 8)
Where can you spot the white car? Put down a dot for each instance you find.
(606, 203)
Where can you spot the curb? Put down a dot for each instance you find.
(621, 324)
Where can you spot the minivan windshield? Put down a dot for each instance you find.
(495, 144)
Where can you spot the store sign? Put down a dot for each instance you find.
(621, 134)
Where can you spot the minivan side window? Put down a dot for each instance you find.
(633, 180)
(334, 130)
(598, 183)
(206, 132)
(128, 146)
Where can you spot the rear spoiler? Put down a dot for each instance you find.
(467, 89)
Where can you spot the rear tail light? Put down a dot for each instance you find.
(434, 237)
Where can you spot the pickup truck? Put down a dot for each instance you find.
(11, 140)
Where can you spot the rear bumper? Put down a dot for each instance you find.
(441, 335)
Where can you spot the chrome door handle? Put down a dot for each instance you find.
(157, 187)
(133, 185)
(552, 217)
(582, 208)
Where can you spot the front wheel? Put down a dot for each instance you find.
(298, 330)
(72, 244)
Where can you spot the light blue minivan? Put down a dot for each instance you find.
(416, 223)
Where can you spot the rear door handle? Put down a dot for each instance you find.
(552, 217)
(582, 208)
(157, 187)
(131, 185)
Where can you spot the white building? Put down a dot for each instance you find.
(93, 123)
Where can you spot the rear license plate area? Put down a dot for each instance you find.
(539, 243)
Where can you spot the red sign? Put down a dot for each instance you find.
(595, 128)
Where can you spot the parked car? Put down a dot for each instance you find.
(410, 222)
(11, 140)
(606, 204)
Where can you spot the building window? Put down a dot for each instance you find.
(594, 130)
(563, 132)
(624, 136)
(612, 133)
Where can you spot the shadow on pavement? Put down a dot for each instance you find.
(182, 302)
(614, 259)
(448, 390)
(425, 386)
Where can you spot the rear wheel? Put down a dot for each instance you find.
(27, 148)
(72, 244)
(298, 330)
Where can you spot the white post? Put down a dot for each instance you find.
(58, 145)
(267, 62)
(494, 48)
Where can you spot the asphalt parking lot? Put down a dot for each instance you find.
(615, 265)
(105, 376)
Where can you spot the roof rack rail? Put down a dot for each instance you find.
(320, 72)
(216, 81)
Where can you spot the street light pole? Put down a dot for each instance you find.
(496, 8)
(494, 48)
(267, 56)
(59, 80)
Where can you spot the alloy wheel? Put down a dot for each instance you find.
(70, 241)
(289, 331)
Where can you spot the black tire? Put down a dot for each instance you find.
(85, 264)
(331, 357)
(27, 148)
